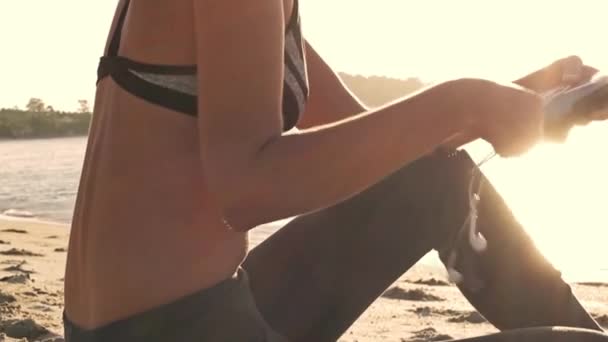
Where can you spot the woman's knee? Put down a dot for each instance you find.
(426, 198)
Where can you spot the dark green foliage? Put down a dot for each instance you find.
(17, 124)
(376, 91)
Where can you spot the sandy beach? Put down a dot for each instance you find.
(420, 306)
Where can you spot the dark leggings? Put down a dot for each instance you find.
(313, 278)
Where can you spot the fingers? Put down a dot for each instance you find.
(574, 72)
(564, 71)
(571, 70)
(588, 72)
(599, 115)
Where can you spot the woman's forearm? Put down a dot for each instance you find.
(315, 168)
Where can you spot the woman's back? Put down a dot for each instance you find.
(144, 230)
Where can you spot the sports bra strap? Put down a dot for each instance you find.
(115, 42)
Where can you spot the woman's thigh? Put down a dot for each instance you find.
(315, 276)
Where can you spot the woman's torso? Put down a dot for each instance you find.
(145, 231)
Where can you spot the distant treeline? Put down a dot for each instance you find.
(21, 124)
(42, 121)
(375, 91)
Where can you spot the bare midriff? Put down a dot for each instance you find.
(144, 230)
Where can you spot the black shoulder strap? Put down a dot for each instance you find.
(294, 17)
(115, 43)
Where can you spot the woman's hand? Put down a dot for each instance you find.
(568, 72)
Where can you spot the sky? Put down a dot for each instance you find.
(50, 50)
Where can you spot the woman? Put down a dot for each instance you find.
(189, 149)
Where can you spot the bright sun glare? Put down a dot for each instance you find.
(558, 192)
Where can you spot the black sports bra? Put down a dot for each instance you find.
(175, 86)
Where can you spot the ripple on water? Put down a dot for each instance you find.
(40, 176)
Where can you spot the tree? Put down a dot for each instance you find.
(376, 91)
(35, 105)
(83, 106)
(50, 109)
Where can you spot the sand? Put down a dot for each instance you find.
(420, 306)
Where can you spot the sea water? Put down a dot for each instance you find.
(557, 191)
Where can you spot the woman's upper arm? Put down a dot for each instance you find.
(239, 46)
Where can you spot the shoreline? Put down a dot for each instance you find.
(35, 220)
(257, 235)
